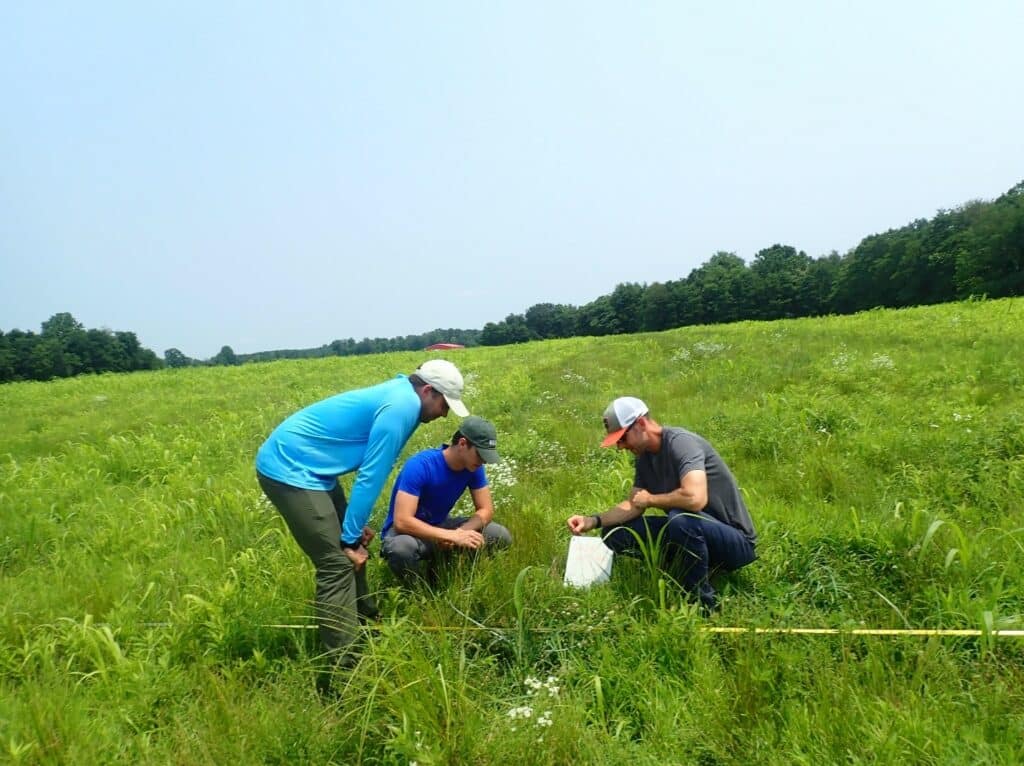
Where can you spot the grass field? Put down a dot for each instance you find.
(881, 455)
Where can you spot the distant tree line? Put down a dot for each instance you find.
(976, 249)
(348, 347)
(352, 347)
(65, 348)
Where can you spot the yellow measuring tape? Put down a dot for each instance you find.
(959, 632)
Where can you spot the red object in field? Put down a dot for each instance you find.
(443, 346)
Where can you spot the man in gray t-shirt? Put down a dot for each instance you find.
(706, 527)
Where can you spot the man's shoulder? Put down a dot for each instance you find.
(397, 391)
(675, 435)
(424, 459)
(393, 402)
(680, 446)
(678, 431)
(420, 469)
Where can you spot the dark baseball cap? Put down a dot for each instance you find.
(482, 435)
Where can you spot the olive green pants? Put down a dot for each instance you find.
(314, 518)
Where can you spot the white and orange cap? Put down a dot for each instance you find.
(620, 415)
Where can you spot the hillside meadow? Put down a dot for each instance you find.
(154, 608)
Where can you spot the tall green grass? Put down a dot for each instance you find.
(882, 457)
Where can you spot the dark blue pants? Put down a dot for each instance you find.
(695, 543)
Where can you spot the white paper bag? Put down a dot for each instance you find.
(589, 562)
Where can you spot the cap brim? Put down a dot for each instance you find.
(613, 438)
(488, 455)
(456, 406)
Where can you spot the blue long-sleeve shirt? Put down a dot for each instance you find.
(361, 430)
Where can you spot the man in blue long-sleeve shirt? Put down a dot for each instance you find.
(298, 468)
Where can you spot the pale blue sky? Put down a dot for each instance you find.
(278, 175)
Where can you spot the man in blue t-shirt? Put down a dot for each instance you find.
(428, 487)
(361, 432)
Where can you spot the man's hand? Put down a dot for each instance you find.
(368, 535)
(580, 524)
(642, 499)
(466, 538)
(357, 556)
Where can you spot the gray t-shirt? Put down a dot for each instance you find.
(683, 451)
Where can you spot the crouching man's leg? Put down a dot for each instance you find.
(707, 545)
(495, 535)
(406, 555)
(631, 538)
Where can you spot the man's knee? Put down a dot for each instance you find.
(621, 539)
(497, 536)
(685, 529)
(403, 553)
(334, 571)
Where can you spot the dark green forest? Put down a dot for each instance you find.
(974, 250)
(65, 348)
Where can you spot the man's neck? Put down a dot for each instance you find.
(448, 453)
(655, 432)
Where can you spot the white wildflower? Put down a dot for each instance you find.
(842, 360)
(708, 348)
(503, 474)
(524, 711)
(882, 362)
(549, 686)
(681, 355)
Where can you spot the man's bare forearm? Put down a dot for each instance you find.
(619, 514)
(679, 498)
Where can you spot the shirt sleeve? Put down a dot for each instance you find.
(478, 479)
(412, 477)
(687, 455)
(388, 435)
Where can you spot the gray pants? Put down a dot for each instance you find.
(405, 554)
(314, 518)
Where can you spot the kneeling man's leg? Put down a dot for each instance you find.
(707, 545)
(496, 536)
(405, 554)
(630, 538)
(728, 548)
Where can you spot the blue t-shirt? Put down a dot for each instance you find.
(361, 430)
(427, 476)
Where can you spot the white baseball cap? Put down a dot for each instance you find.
(620, 415)
(445, 378)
